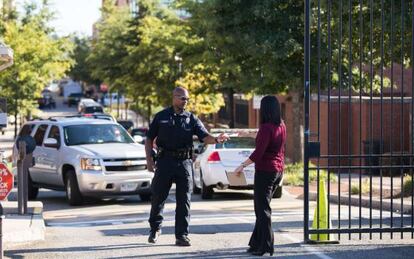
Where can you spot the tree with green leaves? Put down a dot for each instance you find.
(81, 70)
(157, 61)
(38, 58)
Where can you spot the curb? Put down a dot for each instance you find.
(19, 229)
(365, 202)
(23, 229)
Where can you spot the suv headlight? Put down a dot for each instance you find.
(91, 164)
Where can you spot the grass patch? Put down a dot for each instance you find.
(364, 187)
(294, 175)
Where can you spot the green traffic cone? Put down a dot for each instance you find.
(321, 216)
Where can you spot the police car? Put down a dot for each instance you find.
(85, 157)
(214, 160)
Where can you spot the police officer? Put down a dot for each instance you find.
(173, 129)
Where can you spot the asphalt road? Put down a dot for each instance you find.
(220, 228)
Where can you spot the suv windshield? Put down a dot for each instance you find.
(238, 142)
(95, 134)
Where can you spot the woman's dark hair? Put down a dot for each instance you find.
(270, 110)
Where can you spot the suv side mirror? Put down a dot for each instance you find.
(138, 138)
(51, 142)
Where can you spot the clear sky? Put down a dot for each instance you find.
(73, 16)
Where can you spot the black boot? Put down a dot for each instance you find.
(182, 241)
(153, 236)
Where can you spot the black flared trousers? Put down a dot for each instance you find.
(264, 185)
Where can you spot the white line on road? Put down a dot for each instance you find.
(310, 249)
(295, 240)
(119, 221)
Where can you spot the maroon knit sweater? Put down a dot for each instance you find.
(269, 155)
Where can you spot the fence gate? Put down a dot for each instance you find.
(359, 126)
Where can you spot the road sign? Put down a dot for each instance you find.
(6, 181)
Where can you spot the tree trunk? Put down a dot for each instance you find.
(297, 126)
(16, 105)
(117, 104)
(136, 100)
(231, 106)
(149, 111)
(15, 124)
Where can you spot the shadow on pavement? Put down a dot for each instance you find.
(292, 250)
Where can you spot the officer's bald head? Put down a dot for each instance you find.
(180, 98)
(180, 91)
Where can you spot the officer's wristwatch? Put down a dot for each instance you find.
(216, 140)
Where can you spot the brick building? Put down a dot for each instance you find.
(358, 132)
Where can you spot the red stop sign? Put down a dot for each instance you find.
(6, 181)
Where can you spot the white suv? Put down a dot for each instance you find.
(86, 157)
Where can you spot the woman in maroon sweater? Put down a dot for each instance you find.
(269, 162)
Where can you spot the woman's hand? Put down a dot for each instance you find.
(239, 170)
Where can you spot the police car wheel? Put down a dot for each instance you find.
(72, 189)
(32, 191)
(196, 190)
(206, 191)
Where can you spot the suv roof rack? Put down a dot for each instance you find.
(54, 118)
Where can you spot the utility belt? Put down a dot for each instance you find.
(181, 153)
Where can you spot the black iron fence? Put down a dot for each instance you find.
(359, 125)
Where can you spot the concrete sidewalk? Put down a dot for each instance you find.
(19, 229)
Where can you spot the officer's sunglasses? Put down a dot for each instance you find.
(183, 98)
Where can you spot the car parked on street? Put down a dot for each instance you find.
(87, 105)
(214, 160)
(112, 99)
(74, 98)
(85, 157)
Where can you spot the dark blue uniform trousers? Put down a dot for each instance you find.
(171, 170)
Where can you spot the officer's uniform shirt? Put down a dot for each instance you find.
(175, 131)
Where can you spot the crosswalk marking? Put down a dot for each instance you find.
(167, 218)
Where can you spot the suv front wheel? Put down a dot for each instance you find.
(32, 190)
(73, 193)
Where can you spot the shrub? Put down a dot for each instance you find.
(294, 174)
(364, 187)
(408, 185)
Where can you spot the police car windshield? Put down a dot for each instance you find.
(237, 142)
(95, 134)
